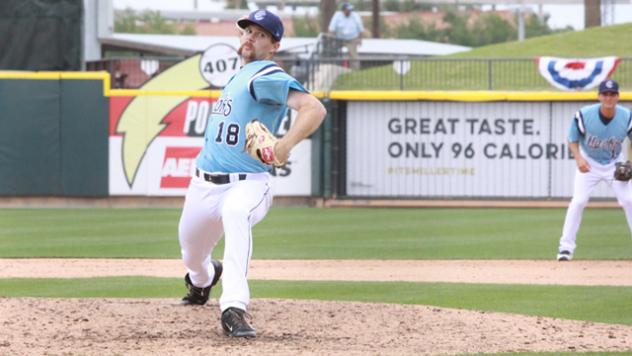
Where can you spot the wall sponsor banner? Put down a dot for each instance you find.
(152, 153)
(154, 139)
(460, 149)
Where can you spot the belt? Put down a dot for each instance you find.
(217, 178)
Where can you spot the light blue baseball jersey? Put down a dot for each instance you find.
(258, 91)
(599, 138)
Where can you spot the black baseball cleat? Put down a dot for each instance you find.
(235, 325)
(564, 256)
(197, 295)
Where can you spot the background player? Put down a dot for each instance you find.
(595, 139)
(230, 191)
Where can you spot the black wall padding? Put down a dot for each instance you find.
(41, 34)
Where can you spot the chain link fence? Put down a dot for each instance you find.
(377, 73)
(132, 73)
(519, 74)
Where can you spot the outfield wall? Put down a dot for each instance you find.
(68, 134)
(53, 134)
(457, 145)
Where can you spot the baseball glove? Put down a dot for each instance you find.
(260, 143)
(623, 171)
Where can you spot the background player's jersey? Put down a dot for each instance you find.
(258, 91)
(601, 140)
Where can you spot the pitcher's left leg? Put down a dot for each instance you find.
(199, 231)
(244, 205)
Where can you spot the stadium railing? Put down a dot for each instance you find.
(376, 72)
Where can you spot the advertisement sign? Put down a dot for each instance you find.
(164, 166)
(461, 149)
(154, 139)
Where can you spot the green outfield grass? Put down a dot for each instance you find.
(600, 304)
(306, 233)
(340, 233)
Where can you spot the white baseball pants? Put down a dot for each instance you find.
(232, 209)
(585, 183)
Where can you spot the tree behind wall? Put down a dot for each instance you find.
(236, 4)
(489, 28)
(592, 13)
(305, 26)
(128, 21)
(327, 10)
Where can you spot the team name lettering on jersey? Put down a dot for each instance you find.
(611, 144)
(223, 106)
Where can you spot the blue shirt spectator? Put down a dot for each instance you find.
(346, 27)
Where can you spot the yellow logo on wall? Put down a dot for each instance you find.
(143, 118)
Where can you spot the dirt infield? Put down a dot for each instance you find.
(286, 327)
(615, 273)
(290, 327)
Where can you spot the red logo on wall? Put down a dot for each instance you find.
(178, 166)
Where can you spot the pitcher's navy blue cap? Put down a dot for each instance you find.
(264, 18)
(608, 86)
(346, 6)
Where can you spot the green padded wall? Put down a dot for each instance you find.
(53, 138)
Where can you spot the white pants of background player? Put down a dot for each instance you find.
(585, 183)
(231, 209)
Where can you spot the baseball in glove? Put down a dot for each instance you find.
(623, 171)
(260, 143)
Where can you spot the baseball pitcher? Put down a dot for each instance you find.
(230, 191)
(595, 139)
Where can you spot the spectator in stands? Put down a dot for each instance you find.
(119, 76)
(346, 27)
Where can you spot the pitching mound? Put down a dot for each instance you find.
(287, 327)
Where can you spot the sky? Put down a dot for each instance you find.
(560, 15)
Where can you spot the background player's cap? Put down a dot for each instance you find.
(264, 18)
(346, 6)
(608, 86)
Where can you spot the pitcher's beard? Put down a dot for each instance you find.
(250, 55)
